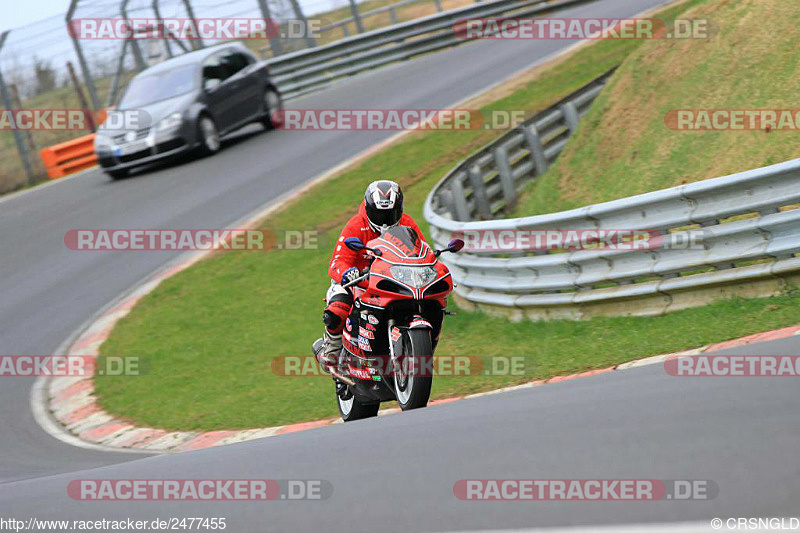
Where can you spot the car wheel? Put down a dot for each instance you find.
(117, 174)
(208, 134)
(273, 109)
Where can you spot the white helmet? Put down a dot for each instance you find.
(383, 201)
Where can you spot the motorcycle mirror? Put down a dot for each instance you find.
(354, 243)
(455, 245)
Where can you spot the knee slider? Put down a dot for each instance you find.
(331, 320)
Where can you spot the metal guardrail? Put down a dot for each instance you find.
(69, 157)
(306, 70)
(391, 9)
(750, 232)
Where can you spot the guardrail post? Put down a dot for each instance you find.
(27, 136)
(137, 52)
(479, 192)
(461, 211)
(87, 75)
(180, 45)
(195, 43)
(571, 116)
(112, 92)
(501, 159)
(163, 29)
(535, 146)
(4, 94)
(79, 93)
(438, 5)
(298, 12)
(393, 15)
(356, 16)
(23, 153)
(274, 42)
(445, 199)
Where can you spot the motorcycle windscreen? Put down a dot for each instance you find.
(403, 238)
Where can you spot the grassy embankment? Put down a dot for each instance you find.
(623, 147)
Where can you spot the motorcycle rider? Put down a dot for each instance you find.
(382, 208)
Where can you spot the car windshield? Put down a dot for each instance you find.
(163, 85)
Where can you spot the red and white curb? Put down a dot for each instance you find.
(73, 405)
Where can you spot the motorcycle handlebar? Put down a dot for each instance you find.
(362, 277)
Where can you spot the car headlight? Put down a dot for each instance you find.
(172, 122)
(101, 141)
(413, 276)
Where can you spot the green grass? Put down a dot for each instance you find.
(211, 331)
(210, 353)
(623, 146)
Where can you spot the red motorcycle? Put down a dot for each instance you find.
(389, 338)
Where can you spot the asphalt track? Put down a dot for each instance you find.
(736, 432)
(396, 473)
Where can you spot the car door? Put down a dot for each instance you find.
(246, 90)
(219, 91)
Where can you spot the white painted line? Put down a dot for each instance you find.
(512, 388)
(39, 403)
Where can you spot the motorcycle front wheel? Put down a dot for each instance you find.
(413, 387)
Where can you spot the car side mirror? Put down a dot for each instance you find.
(209, 84)
(354, 243)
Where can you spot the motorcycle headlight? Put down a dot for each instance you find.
(172, 122)
(413, 276)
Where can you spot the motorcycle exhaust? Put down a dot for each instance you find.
(342, 378)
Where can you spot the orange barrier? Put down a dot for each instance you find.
(69, 157)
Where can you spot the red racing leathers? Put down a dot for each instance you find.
(340, 301)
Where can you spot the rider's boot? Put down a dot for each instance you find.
(327, 350)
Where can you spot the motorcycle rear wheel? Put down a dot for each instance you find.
(351, 409)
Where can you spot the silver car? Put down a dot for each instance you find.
(187, 103)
